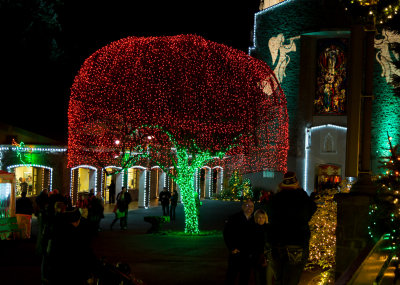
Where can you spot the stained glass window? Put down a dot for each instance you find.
(331, 91)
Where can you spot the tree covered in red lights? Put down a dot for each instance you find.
(178, 101)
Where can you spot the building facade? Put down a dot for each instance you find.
(308, 45)
(41, 163)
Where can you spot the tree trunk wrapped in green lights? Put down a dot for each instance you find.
(178, 101)
(184, 178)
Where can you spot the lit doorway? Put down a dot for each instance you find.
(117, 176)
(32, 179)
(83, 178)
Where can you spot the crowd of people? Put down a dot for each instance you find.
(64, 236)
(270, 245)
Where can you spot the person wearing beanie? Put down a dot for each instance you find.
(289, 181)
(289, 212)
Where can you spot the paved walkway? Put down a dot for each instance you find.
(154, 258)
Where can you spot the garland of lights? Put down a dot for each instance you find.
(178, 101)
(323, 235)
(381, 10)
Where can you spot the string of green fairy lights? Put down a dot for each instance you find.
(381, 10)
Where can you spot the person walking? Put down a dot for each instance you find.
(111, 192)
(174, 202)
(164, 199)
(290, 210)
(96, 212)
(239, 233)
(121, 209)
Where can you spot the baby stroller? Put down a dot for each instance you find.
(114, 274)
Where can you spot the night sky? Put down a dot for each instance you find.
(44, 43)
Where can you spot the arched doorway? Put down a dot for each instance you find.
(31, 178)
(205, 182)
(157, 181)
(83, 178)
(133, 182)
(217, 180)
(117, 175)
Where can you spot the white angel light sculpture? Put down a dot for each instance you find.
(279, 52)
(385, 56)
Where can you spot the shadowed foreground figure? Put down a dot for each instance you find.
(239, 234)
(290, 210)
(70, 258)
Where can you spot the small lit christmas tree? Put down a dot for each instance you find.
(238, 188)
(234, 184)
(247, 190)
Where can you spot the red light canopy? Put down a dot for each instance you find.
(206, 96)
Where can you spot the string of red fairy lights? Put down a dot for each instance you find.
(202, 93)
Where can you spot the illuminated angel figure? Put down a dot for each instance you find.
(385, 56)
(279, 52)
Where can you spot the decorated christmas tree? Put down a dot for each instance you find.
(247, 189)
(238, 188)
(235, 183)
(385, 209)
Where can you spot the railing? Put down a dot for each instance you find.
(380, 266)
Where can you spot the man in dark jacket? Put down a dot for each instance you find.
(289, 212)
(24, 205)
(239, 233)
(174, 203)
(70, 257)
(111, 192)
(164, 199)
(24, 210)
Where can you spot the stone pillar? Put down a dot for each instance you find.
(74, 185)
(354, 101)
(118, 183)
(351, 232)
(143, 198)
(92, 179)
(352, 240)
(162, 182)
(207, 182)
(220, 180)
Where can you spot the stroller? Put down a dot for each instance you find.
(114, 274)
